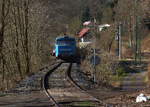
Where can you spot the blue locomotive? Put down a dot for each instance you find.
(65, 48)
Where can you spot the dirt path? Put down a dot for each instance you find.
(134, 81)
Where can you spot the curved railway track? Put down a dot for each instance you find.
(75, 84)
(46, 86)
(70, 80)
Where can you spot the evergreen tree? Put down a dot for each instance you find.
(86, 16)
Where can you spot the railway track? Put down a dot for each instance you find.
(71, 80)
(46, 86)
(73, 87)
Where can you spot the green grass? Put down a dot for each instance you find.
(116, 78)
(146, 79)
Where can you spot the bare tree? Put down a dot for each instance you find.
(4, 8)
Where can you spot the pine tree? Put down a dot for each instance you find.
(86, 16)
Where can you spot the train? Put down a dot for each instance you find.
(65, 48)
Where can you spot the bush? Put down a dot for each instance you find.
(120, 71)
(106, 69)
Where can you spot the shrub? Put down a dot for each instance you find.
(120, 71)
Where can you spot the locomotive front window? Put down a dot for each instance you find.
(65, 42)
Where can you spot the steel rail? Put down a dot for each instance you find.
(75, 84)
(46, 86)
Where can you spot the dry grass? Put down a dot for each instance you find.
(116, 84)
(104, 70)
(146, 44)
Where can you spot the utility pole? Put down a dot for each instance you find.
(139, 39)
(94, 77)
(94, 53)
(120, 40)
(136, 33)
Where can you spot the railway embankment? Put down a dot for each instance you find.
(29, 91)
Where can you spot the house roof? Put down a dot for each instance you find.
(83, 32)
